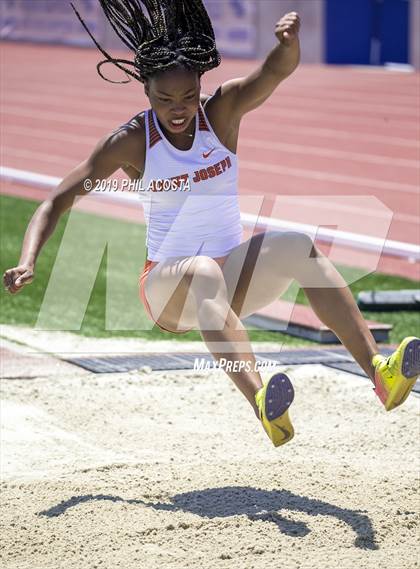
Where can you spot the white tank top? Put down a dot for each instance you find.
(190, 197)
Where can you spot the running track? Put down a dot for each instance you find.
(327, 131)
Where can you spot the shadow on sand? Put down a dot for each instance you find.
(252, 502)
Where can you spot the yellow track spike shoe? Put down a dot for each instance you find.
(273, 401)
(396, 375)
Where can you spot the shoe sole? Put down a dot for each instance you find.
(411, 360)
(279, 396)
(410, 369)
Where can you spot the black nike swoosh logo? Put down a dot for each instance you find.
(284, 431)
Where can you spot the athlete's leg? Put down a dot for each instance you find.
(167, 292)
(271, 261)
(191, 293)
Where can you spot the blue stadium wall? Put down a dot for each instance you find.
(350, 32)
(367, 32)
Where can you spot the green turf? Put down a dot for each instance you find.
(119, 263)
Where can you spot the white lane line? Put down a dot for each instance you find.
(365, 242)
(59, 90)
(42, 102)
(327, 177)
(254, 125)
(314, 104)
(341, 118)
(329, 153)
(246, 165)
(45, 134)
(299, 115)
(47, 157)
(72, 92)
(402, 108)
(74, 120)
(333, 205)
(250, 124)
(288, 101)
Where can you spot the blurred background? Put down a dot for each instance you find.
(334, 151)
(363, 32)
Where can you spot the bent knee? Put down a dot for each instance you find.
(206, 276)
(206, 268)
(296, 243)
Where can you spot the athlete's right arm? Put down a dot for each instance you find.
(120, 149)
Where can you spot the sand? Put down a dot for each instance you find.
(172, 470)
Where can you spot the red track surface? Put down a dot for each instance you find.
(327, 131)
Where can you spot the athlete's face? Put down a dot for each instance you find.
(174, 96)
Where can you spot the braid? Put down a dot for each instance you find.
(173, 32)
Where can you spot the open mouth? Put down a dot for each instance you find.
(178, 123)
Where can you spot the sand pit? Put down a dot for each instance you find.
(172, 470)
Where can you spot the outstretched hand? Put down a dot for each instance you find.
(287, 29)
(15, 279)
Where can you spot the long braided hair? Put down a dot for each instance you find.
(175, 32)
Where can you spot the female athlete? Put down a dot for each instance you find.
(198, 273)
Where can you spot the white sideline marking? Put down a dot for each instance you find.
(357, 240)
(263, 167)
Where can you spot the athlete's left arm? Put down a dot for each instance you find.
(247, 93)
